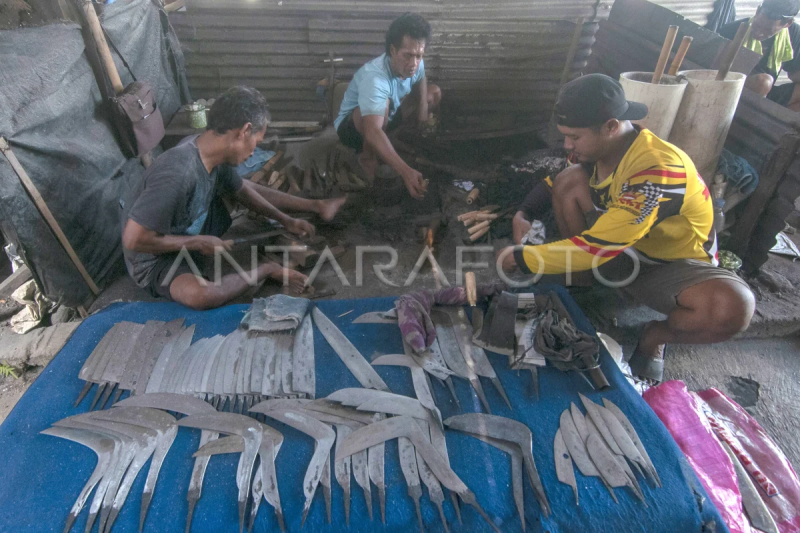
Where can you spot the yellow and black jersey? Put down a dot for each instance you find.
(654, 201)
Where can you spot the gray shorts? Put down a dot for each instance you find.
(658, 286)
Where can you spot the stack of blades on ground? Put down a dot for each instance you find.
(603, 444)
(125, 357)
(124, 439)
(271, 355)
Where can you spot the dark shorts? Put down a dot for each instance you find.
(217, 223)
(658, 286)
(350, 136)
(782, 94)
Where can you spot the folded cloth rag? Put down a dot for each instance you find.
(276, 313)
(565, 346)
(254, 162)
(738, 172)
(413, 311)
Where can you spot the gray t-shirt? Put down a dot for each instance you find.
(173, 198)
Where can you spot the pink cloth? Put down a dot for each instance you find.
(683, 415)
(770, 471)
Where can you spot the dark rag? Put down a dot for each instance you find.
(413, 311)
(565, 346)
(738, 172)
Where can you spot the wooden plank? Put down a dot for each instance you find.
(45, 211)
(771, 178)
(15, 281)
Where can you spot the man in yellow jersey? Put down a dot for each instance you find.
(636, 205)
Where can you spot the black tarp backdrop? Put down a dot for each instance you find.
(54, 117)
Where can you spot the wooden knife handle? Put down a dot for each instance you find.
(472, 288)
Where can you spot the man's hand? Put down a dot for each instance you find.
(300, 227)
(207, 244)
(415, 184)
(509, 262)
(519, 227)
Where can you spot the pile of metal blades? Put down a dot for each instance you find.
(124, 438)
(603, 444)
(185, 405)
(233, 371)
(319, 468)
(407, 427)
(241, 369)
(412, 464)
(460, 354)
(125, 357)
(514, 438)
(251, 439)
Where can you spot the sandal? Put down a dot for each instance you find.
(647, 368)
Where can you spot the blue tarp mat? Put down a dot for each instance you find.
(41, 476)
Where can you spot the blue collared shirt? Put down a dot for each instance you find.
(374, 84)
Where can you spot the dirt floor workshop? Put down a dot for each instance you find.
(400, 266)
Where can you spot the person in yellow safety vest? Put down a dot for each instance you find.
(636, 213)
(775, 36)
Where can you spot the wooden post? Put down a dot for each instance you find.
(45, 211)
(108, 60)
(102, 46)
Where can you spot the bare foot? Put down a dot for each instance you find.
(368, 164)
(297, 280)
(327, 209)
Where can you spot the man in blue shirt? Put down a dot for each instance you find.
(372, 104)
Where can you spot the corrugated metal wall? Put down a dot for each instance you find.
(499, 63)
(698, 10)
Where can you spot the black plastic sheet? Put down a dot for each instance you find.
(54, 117)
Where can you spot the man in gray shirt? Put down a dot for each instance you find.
(176, 215)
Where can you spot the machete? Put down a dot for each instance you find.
(451, 351)
(563, 461)
(502, 428)
(102, 446)
(265, 482)
(185, 405)
(233, 424)
(323, 436)
(626, 424)
(166, 429)
(348, 353)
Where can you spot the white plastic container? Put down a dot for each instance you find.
(705, 117)
(662, 100)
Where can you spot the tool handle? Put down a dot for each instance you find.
(473, 195)
(479, 227)
(684, 47)
(666, 48)
(729, 55)
(475, 236)
(599, 378)
(472, 288)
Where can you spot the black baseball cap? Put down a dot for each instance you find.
(593, 99)
(780, 9)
